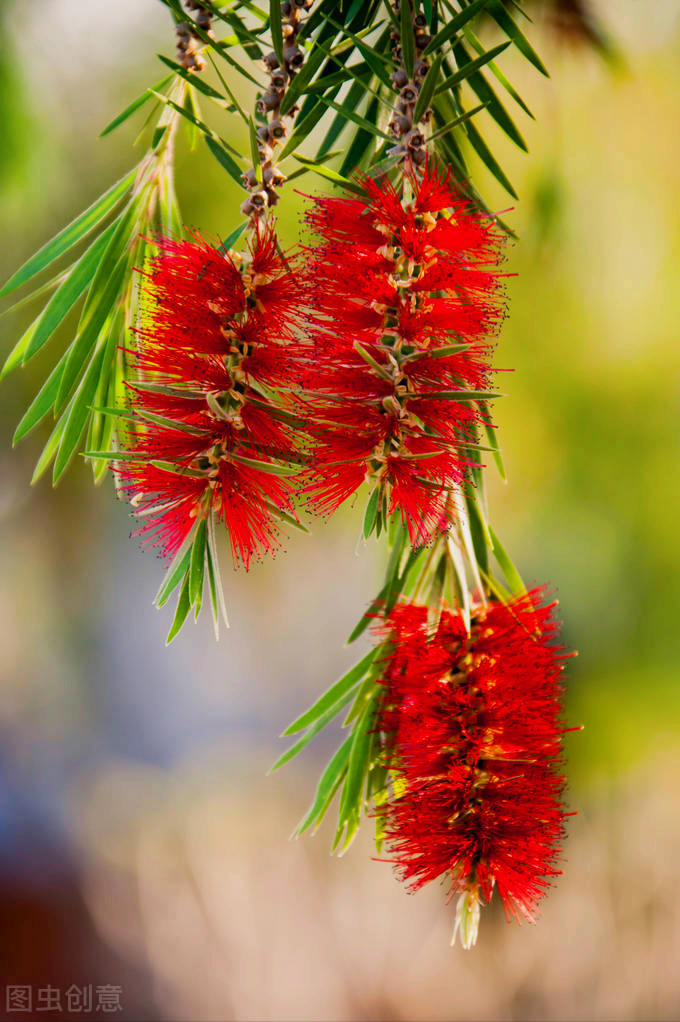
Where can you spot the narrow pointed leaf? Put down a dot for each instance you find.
(135, 105)
(511, 29)
(174, 575)
(331, 780)
(333, 694)
(92, 323)
(232, 238)
(314, 729)
(371, 512)
(51, 447)
(79, 413)
(276, 29)
(70, 235)
(512, 576)
(228, 162)
(194, 80)
(487, 157)
(330, 175)
(408, 44)
(197, 564)
(62, 301)
(42, 403)
(183, 608)
(492, 436)
(427, 89)
(486, 94)
(454, 26)
(469, 68)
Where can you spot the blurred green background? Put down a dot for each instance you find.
(141, 842)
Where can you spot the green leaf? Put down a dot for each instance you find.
(270, 467)
(353, 98)
(512, 576)
(299, 84)
(194, 80)
(485, 155)
(228, 162)
(42, 403)
(449, 349)
(61, 302)
(454, 26)
(498, 74)
(254, 151)
(79, 411)
(486, 94)
(330, 175)
(284, 516)
(478, 531)
(349, 114)
(331, 779)
(427, 89)
(212, 588)
(408, 43)
(197, 566)
(446, 129)
(232, 238)
(319, 725)
(492, 437)
(458, 395)
(183, 608)
(303, 127)
(367, 618)
(135, 105)
(504, 21)
(216, 591)
(103, 295)
(276, 29)
(50, 448)
(469, 68)
(332, 695)
(371, 512)
(362, 147)
(351, 800)
(178, 566)
(70, 235)
(195, 120)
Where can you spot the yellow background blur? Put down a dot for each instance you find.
(141, 843)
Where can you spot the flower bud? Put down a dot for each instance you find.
(277, 129)
(467, 919)
(293, 57)
(267, 101)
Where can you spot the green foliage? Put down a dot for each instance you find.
(343, 96)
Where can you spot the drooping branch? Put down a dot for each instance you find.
(262, 181)
(407, 81)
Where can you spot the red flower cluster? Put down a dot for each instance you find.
(405, 295)
(471, 728)
(218, 329)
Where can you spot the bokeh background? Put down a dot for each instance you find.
(141, 842)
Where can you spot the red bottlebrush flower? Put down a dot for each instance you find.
(208, 441)
(405, 295)
(472, 732)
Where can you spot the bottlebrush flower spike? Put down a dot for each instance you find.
(472, 733)
(207, 440)
(406, 295)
